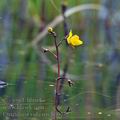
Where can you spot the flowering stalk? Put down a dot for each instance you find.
(74, 41)
(57, 92)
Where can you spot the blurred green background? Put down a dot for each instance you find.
(27, 76)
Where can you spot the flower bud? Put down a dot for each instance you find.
(50, 29)
(70, 82)
(45, 50)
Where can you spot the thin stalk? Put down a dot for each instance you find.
(57, 81)
(60, 42)
(53, 54)
(57, 53)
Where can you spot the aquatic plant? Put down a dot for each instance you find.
(74, 41)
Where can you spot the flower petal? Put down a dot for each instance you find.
(75, 41)
(69, 36)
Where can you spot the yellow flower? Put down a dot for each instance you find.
(50, 29)
(74, 40)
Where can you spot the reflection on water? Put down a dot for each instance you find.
(2, 84)
(40, 106)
